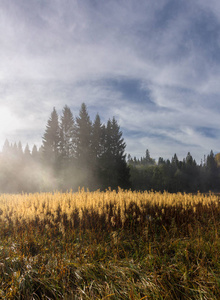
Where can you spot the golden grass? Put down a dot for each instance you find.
(109, 245)
(44, 205)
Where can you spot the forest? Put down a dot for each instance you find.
(175, 175)
(77, 152)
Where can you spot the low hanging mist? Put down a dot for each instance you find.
(75, 152)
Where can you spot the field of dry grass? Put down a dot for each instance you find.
(109, 245)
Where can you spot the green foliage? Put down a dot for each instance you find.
(51, 140)
(175, 175)
(67, 135)
(83, 136)
(114, 170)
(74, 152)
(78, 152)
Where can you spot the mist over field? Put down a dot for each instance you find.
(77, 151)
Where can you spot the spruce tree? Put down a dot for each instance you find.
(83, 151)
(83, 136)
(35, 153)
(97, 140)
(67, 134)
(97, 149)
(115, 172)
(20, 149)
(117, 142)
(27, 151)
(6, 147)
(15, 150)
(51, 140)
(212, 172)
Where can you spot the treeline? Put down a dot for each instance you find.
(175, 175)
(75, 152)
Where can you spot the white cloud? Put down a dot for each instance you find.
(64, 52)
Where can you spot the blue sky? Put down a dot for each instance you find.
(154, 65)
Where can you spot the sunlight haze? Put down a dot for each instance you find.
(154, 65)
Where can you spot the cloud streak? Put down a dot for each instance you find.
(155, 66)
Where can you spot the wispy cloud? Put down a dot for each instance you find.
(154, 65)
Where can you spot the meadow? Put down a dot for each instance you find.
(109, 245)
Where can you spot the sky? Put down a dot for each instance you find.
(154, 65)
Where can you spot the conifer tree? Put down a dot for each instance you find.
(97, 149)
(175, 161)
(117, 142)
(51, 139)
(67, 134)
(212, 172)
(15, 150)
(20, 149)
(27, 152)
(97, 140)
(83, 136)
(83, 152)
(6, 147)
(35, 153)
(115, 172)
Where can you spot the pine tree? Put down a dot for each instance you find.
(97, 149)
(212, 172)
(97, 140)
(83, 136)
(115, 172)
(6, 147)
(147, 160)
(27, 152)
(15, 150)
(83, 151)
(117, 142)
(51, 140)
(35, 153)
(20, 149)
(67, 134)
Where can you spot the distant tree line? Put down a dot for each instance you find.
(175, 175)
(75, 152)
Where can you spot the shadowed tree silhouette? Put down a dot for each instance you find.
(51, 140)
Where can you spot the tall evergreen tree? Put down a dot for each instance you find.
(35, 153)
(83, 136)
(212, 172)
(6, 147)
(97, 149)
(175, 161)
(83, 152)
(97, 138)
(67, 134)
(147, 160)
(51, 139)
(27, 152)
(20, 149)
(118, 145)
(115, 172)
(15, 150)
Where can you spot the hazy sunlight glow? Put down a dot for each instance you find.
(8, 122)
